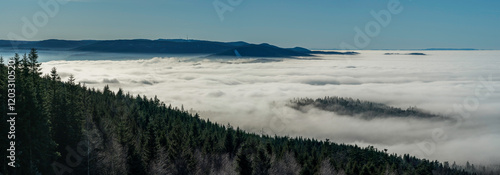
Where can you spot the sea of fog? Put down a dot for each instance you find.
(253, 96)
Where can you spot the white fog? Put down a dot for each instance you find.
(253, 96)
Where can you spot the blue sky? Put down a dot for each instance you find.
(319, 24)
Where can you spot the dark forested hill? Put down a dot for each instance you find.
(261, 50)
(357, 108)
(156, 46)
(66, 128)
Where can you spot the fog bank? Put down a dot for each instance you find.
(253, 96)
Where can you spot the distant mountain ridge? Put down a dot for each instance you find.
(174, 46)
(52, 44)
(450, 49)
(155, 46)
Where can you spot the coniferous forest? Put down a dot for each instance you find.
(364, 109)
(63, 127)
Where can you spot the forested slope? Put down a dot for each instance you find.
(64, 128)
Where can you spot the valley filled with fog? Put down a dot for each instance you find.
(464, 85)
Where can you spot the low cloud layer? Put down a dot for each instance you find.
(253, 96)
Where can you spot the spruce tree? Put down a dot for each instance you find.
(262, 162)
(229, 142)
(244, 165)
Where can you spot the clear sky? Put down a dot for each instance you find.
(317, 24)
